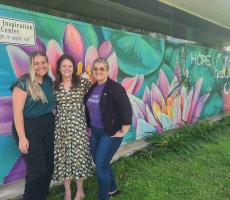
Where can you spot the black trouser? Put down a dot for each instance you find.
(39, 161)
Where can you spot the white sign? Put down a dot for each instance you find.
(14, 31)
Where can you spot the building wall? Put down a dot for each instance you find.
(170, 82)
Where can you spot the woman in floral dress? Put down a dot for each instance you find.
(72, 158)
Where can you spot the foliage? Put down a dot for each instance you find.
(203, 175)
(187, 138)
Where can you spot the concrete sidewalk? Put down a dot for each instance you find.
(15, 190)
(12, 191)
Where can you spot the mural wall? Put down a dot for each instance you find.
(170, 82)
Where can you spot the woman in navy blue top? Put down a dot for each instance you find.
(33, 127)
(109, 115)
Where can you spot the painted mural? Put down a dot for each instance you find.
(170, 82)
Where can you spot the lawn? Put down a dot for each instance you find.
(201, 175)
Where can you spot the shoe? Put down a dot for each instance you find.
(114, 193)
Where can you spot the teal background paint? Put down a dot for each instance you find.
(200, 71)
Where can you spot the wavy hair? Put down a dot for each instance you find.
(75, 78)
(34, 89)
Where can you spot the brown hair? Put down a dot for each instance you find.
(75, 78)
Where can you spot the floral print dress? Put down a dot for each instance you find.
(72, 158)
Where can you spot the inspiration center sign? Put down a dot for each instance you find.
(14, 31)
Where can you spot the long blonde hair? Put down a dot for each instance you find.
(34, 89)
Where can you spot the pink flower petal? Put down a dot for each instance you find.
(39, 46)
(199, 107)
(187, 106)
(19, 60)
(137, 114)
(129, 84)
(174, 85)
(105, 49)
(73, 43)
(183, 95)
(138, 85)
(90, 56)
(53, 52)
(177, 112)
(195, 97)
(113, 68)
(139, 102)
(157, 96)
(132, 85)
(163, 84)
(147, 97)
(177, 72)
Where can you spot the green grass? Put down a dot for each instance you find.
(204, 174)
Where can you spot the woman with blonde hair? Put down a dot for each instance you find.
(33, 126)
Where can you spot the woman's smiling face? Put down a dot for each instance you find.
(66, 68)
(40, 65)
(100, 72)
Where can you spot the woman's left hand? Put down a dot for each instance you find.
(119, 134)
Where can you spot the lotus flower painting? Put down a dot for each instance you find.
(166, 86)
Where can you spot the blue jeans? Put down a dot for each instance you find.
(103, 148)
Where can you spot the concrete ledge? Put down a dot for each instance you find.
(12, 191)
(15, 190)
(128, 149)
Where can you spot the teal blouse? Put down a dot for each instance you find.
(37, 108)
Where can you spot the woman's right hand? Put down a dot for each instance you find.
(23, 145)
